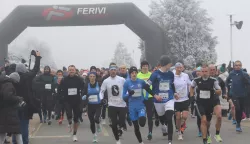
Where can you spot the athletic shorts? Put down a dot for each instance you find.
(136, 112)
(206, 108)
(181, 106)
(76, 109)
(161, 108)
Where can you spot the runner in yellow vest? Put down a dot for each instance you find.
(145, 75)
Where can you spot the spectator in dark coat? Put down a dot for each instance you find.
(9, 104)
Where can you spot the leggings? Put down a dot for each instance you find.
(150, 111)
(168, 121)
(94, 114)
(239, 108)
(117, 116)
(141, 122)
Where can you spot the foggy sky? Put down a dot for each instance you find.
(94, 45)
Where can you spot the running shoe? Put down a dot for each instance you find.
(118, 142)
(238, 128)
(234, 122)
(180, 137)
(209, 140)
(49, 122)
(149, 136)
(70, 128)
(157, 122)
(199, 134)
(218, 138)
(164, 130)
(74, 138)
(95, 140)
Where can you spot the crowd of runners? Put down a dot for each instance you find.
(135, 97)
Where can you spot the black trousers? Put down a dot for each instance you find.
(117, 116)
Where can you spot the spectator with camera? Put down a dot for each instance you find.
(9, 105)
(24, 90)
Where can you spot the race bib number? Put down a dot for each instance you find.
(163, 95)
(48, 86)
(182, 92)
(93, 98)
(72, 91)
(164, 86)
(138, 93)
(205, 94)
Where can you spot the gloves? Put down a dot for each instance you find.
(104, 101)
(131, 92)
(84, 97)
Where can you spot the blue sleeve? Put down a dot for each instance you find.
(152, 78)
(125, 90)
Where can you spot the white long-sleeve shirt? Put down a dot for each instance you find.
(114, 87)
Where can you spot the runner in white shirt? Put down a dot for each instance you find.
(117, 106)
(182, 84)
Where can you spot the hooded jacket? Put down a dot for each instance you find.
(9, 121)
(237, 82)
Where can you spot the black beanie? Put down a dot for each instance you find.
(165, 60)
(144, 63)
(132, 69)
(92, 67)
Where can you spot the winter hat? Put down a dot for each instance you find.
(64, 68)
(84, 74)
(132, 69)
(21, 68)
(165, 60)
(198, 69)
(15, 77)
(178, 64)
(144, 63)
(92, 67)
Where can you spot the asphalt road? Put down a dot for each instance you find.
(57, 134)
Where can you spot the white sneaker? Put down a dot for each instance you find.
(74, 138)
(95, 140)
(180, 137)
(164, 129)
(70, 128)
(103, 122)
(118, 142)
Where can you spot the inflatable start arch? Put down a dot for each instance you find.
(84, 15)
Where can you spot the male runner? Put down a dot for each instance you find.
(117, 106)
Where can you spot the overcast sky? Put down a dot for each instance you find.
(104, 38)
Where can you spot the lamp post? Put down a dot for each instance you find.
(238, 26)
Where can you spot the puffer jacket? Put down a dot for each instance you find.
(9, 121)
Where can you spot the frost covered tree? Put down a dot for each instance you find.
(121, 56)
(17, 52)
(186, 26)
(141, 46)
